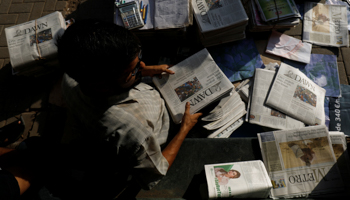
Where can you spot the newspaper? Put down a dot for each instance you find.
(172, 14)
(257, 24)
(243, 89)
(289, 47)
(339, 145)
(197, 80)
(277, 10)
(34, 40)
(262, 114)
(294, 94)
(247, 179)
(229, 112)
(325, 24)
(300, 162)
(217, 14)
(338, 2)
(227, 130)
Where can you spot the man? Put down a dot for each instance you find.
(108, 103)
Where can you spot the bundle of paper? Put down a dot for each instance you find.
(277, 10)
(32, 45)
(302, 163)
(259, 112)
(294, 94)
(325, 25)
(219, 21)
(257, 24)
(247, 179)
(199, 83)
(225, 117)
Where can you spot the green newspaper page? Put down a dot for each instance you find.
(268, 8)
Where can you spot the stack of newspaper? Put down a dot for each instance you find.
(285, 99)
(326, 25)
(259, 112)
(257, 16)
(303, 162)
(32, 45)
(247, 179)
(197, 80)
(219, 21)
(226, 117)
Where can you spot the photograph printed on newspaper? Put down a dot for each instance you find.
(325, 25)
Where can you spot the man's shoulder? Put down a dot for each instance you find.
(143, 87)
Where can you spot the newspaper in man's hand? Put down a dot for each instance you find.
(294, 94)
(325, 24)
(34, 40)
(197, 80)
(300, 162)
(238, 179)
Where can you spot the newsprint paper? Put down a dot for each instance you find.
(238, 179)
(29, 41)
(216, 14)
(326, 25)
(260, 113)
(294, 94)
(197, 80)
(300, 162)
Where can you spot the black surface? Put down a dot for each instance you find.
(186, 179)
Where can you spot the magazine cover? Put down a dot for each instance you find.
(323, 70)
(237, 60)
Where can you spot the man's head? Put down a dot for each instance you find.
(99, 54)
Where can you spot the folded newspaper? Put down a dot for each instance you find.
(33, 44)
(217, 23)
(300, 162)
(247, 179)
(294, 94)
(214, 15)
(262, 114)
(197, 80)
(289, 47)
(325, 24)
(224, 115)
(277, 10)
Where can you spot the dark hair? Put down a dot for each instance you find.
(96, 50)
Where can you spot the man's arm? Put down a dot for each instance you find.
(188, 121)
(10, 160)
(155, 70)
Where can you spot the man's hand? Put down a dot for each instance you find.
(188, 120)
(155, 70)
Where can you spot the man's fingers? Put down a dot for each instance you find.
(169, 71)
(197, 115)
(187, 108)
